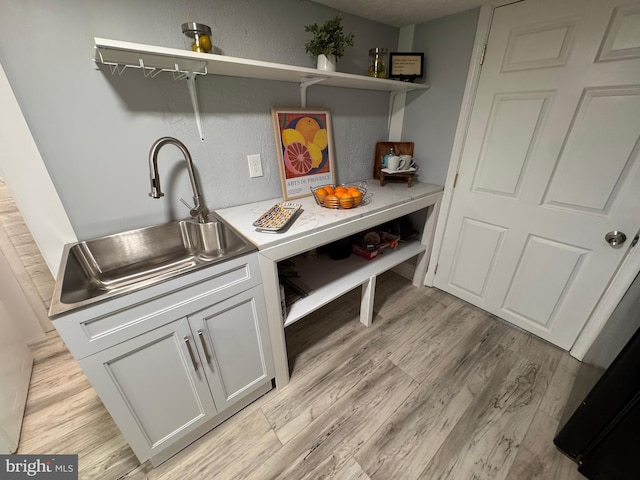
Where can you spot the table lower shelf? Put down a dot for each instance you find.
(329, 279)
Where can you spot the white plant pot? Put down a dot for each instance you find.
(327, 64)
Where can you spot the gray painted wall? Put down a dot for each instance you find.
(430, 119)
(94, 130)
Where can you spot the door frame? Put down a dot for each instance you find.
(628, 268)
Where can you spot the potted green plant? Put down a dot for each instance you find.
(328, 42)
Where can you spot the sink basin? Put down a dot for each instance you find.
(102, 268)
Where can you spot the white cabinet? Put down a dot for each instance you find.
(172, 367)
(151, 388)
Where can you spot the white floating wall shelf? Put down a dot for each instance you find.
(187, 65)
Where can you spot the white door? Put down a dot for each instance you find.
(15, 371)
(550, 165)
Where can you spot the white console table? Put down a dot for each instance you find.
(317, 226)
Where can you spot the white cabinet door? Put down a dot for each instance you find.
(550, 165)
(153, 387)
(233, 342)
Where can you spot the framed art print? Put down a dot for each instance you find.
(304, 143)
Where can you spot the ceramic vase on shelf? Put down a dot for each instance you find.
(326, 63)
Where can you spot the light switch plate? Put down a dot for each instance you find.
(255, 165)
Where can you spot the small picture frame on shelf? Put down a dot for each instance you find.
(406, 66)
(304, 143)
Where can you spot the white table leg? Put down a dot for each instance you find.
(422, 276)
(271, 286)
(366, 301)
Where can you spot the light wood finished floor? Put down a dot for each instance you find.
(13, 224)
(435, 389)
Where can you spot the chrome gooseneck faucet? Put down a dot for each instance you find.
(199, 211)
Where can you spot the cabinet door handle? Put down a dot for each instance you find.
(193, 358)
(204, 346)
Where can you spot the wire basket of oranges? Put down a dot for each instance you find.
(340, 196)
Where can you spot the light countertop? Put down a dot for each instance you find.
(314, 218)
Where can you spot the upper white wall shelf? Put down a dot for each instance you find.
(152, 60)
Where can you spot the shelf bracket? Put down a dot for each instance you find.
(392, 100)
(193, 94)
(303, 89)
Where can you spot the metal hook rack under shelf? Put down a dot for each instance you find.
(177, 72)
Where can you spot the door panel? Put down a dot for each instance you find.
(476, 255)
(622, 40)
(542, 45)
(550, 164)
(513, 126)
(231, 342)
(600, 148)
(542, 258)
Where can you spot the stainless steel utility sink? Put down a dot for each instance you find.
(104, 267)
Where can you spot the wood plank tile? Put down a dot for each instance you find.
(342, 429)
(230, 451)
(395, 296)
(333, 467)
(349, 411)
(404, 445)
(310, 396)
(114, 460)
(352, 471)
(559, 389)
(538, 458)
(317, 338)
(47, 378)
(91, 435)
(484, 442)
(421, 353)
(66, 415)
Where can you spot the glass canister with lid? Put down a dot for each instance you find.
(378, 62)
(201, 35)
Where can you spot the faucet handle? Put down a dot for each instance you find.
(186, 204)
(200, 212)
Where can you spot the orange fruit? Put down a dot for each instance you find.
(308, 127)
(321, 192)
(340, 189)
(329, 189)
(346, 201)
(331, 201)
(357, 197)
(297, 158)
(353, 189)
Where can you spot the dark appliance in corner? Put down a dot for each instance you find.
(600, 428)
